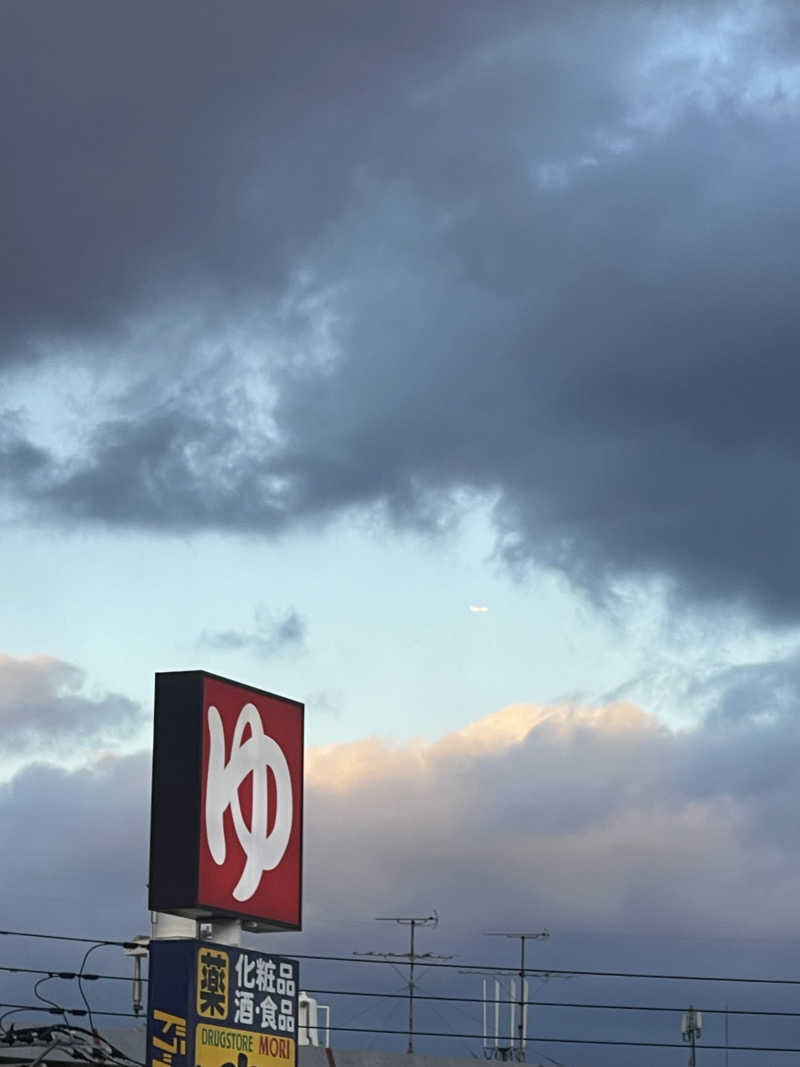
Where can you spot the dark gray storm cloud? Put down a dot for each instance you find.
(79, 842)
(168, 154)
(45, 707)
(544, 256)
(269, 636)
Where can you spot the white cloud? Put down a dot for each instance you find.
(594, 816)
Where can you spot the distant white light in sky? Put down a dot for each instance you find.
(478, 608)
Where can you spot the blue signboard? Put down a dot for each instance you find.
(215, 1005)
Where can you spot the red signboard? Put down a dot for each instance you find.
(227, 808)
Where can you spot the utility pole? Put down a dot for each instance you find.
(412, 922)
(540, 935)
(691, 1029)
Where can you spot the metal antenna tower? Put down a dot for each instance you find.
(691, 1029)
(412, 922)
(540, 935)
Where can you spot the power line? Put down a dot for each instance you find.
(66, 937)
(554, 1003)
(53, 972)
(44, 999)
(81, 976)
(672, 977)
(72, 975)
(443, 998)
(542, 1039)
(471, 1037)
(477, 967)
(576, 1040)
(69, 1011)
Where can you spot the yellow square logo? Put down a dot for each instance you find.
(213, 973)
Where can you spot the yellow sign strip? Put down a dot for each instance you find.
(217, 1046)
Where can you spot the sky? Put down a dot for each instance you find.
(323, 325)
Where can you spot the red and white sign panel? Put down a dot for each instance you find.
(250, 847)
(227, 840)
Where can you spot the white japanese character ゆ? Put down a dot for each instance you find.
(263, 848)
